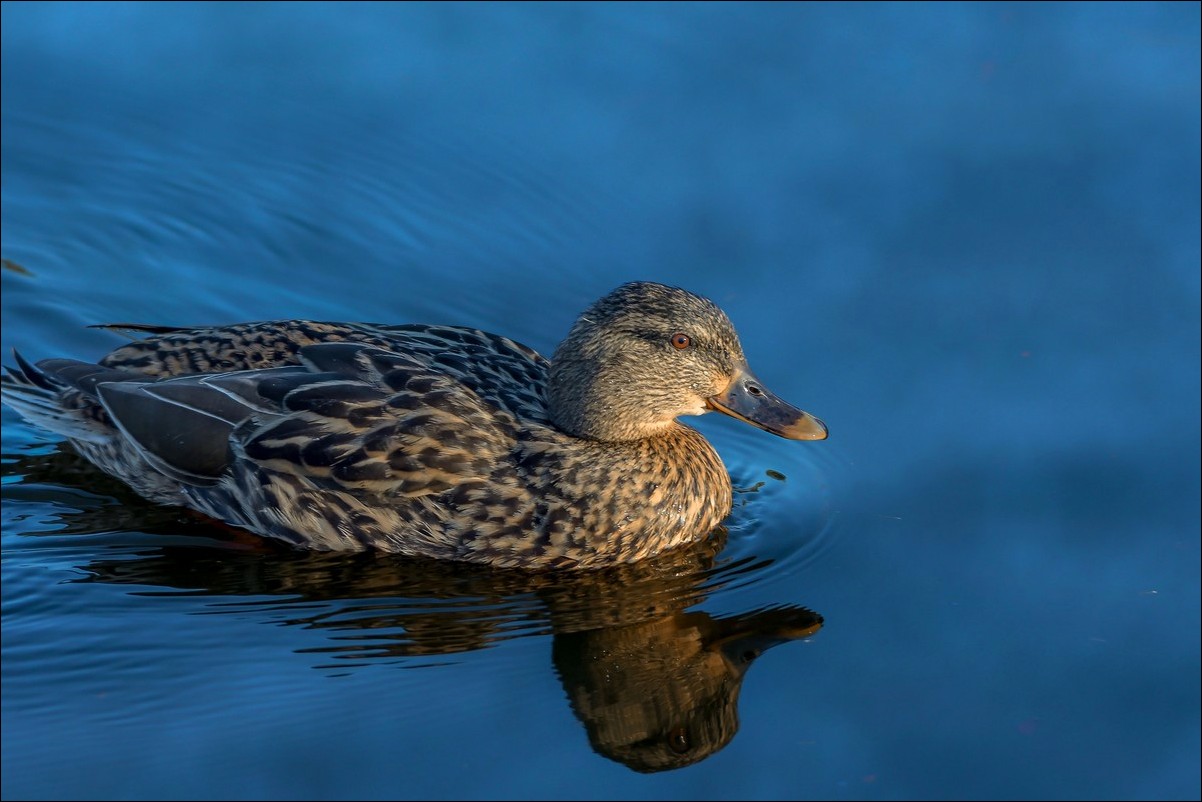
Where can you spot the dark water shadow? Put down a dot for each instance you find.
(654, 681)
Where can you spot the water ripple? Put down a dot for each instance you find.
(431, 206)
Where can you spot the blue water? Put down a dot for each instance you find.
(965, 236)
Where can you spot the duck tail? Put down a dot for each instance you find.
(45, 399)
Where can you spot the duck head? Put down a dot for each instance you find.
(646, 354)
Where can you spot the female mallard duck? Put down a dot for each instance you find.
(434, 441)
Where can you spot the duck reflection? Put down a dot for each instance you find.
(664, 694)
(654, 682)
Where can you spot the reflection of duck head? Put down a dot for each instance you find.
(655, 683)
(664, 693)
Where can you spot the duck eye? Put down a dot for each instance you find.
(681, 341)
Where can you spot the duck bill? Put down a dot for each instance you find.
(748, 400)
(743, 638)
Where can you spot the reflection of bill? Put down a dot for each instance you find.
(664, 694)
(655, 683)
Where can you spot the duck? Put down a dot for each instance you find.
(434, 441)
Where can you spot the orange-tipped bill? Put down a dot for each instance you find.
(748, 400)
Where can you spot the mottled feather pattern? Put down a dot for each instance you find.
(392, 427)
(434, 421)
(435, 441)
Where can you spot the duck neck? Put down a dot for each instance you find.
(585, 403)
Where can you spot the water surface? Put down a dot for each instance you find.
(966, 236)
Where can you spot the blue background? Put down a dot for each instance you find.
(964, 235)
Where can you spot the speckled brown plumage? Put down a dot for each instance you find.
(435, 441)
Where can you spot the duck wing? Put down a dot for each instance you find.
(351, 416)
(389, 423)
